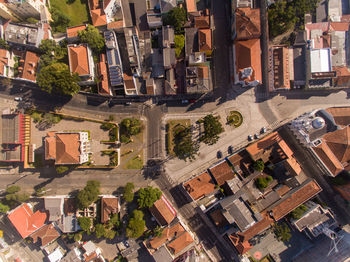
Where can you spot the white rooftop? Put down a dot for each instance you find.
(55, 256)
(321, 60)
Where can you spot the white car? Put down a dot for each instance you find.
(18, 98)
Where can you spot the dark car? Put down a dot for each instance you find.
(230, 149)
(219, 154)
(126, 243)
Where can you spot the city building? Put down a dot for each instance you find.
(24, 35)
(104, 12)
(109, 206)
(6, 13)
(45, 235)
(103, 84)
(247, 23)
(280, 68)
(26, 8)
(67, 148)
(92, 253)
(200, 186)
(163, 211)
(4, 62)
(72, 32)
(315, 220)
(81, 62)
(25, 220)
(27, 67)
(15, 138)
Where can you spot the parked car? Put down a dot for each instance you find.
(230, 149)
(263, 130)
(219, 154)
(192, 100)
(256, 136)
(127, 103)
(184, 101)
(17, 98)
(126, 243)
(250, 138)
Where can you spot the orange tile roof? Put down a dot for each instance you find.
(94, 4)
(248, 23)
(280, 56)
(167, 235)
(50, 148)
(248, 54)
(3, 60)
(25, 221)
(283, 190)
(293, 166)
(191, 6)
(73, 31)
(341, 115)
(328, 158)
(298, 197)
(103, 84)
(203, 72)
(67, 148)
(180, 243)
(98, 18)
(163, 211)
(344, 191)
(31, 61)
(339, 26)
(222, 172)
(78, 59)
(256, 148)
(46, 234)
(200, 186)
(204, 39)
(109, 206)
(202, 21)
(115, 24)
(241, 247)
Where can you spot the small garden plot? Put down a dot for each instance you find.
(172, 125)
(235, 119)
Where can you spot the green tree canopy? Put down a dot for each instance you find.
(114, 221)
(263, 182)
(128, 193)
(259, 165)
(179, 44)
(4, 44)
(59, 21)
(110, 234)
(57, 78)
(282, 232)
(212, 129)
(93, 38)
(99, 230)
(78, 237)
(4, 208)
(298, 212)
(51, 52)
(147, 196)
(13, 189)
(131, 126)
(85, 223)
(176, 17)
(89, 194)
(185, 148)
(136, 225)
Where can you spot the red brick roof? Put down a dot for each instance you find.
(248, 54)
(46, 234)
(180, 243)
(115, 24)
(109, 206)
(167, 234)
(200, 186)
(25, 221)
(163, 211)
(64, 148)
(78, 59)
(247, 23)
(341, 115)
(31, 61)
(97, 17)
(202, 21)
(73, 31)
(3, 60)
(298, 197)
(191, 6)
(204, 39)
(103, 84)
(222, 172)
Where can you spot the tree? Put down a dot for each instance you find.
(179, 44)
(114, 221)
(77, 237)
(158, 231)
(298, 212)
(282, 232)
(263, 182)
(212, 129)
(259, 165)
(147, 196)
(93, 38)
(57, 78)
(51, 52)
(40, 191)
(89, 194)
(59, 21)
(13, 189)
(176, 17)
(128, 193)
(4, 208)
(110, 234)
(185, 148)
(22, 197)
(4, 44)
(99, 230)
(131, 126)
(136, 225)
(85, 223)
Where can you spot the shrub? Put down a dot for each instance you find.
(263, 182)
(61, 169)
(298, 212)
(259, 165)
(13, 189)
(128, 194)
